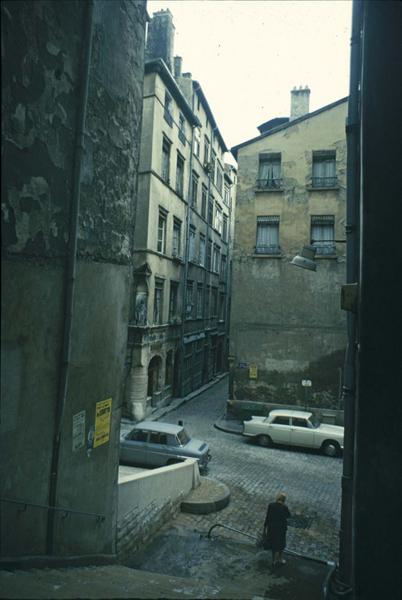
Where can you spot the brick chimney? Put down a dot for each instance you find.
(299, 102)
(160, 39)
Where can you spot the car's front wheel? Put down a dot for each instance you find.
(331, 448)
(264, 440)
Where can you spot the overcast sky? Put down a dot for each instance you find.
(248, 55)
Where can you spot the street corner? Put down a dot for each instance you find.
(210, 496)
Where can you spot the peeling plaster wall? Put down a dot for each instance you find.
(287, 321)
(42, 44)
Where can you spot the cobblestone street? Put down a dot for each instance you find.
(255, 475)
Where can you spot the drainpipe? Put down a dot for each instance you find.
(228, 276)
(342, 580)
(207, 276)
(70, 276)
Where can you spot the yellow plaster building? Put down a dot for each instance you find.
(286, 323)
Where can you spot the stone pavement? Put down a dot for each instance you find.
(254, 475)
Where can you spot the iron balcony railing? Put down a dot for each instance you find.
(269, 184)
(324, 248)
(270, 249)
(324, 182)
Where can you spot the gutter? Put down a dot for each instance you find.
(70, 277)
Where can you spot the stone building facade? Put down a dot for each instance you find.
(178, 328)
(72, 76)
(286, 323)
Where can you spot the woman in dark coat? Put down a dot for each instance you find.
(275, 527)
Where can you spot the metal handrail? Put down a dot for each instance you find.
(287, 551)
(98, 516)
(254, 537)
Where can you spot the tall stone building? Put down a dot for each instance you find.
(286, 323)
(72, 76)
(178, 328)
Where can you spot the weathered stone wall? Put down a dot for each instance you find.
(42, 75)
(287, 322)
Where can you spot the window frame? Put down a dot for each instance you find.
(272, 163)
(176, 238)
(272, 223)
(180, 160)
(323, 160)
(325, 227)
(158, 307)
(161, 240)
(166, 155)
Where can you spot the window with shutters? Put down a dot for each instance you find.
(269, 171)
(267, 235)
(324, 169)
(322, 234)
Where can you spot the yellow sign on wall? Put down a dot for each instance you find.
(252, 372)
(102, 422)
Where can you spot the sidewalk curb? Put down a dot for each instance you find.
(204, 507)
(227, 429)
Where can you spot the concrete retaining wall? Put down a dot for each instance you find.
(147, 500)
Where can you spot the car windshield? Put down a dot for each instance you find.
(314, 420)
(183, 437)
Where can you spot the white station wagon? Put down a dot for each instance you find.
(295, 428)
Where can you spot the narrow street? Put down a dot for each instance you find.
(255, 475)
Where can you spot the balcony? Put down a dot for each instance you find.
(269, 184)
(324, 182)
(272, 249)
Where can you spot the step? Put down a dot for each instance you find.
(108, 582)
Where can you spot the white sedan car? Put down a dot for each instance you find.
(295, 428)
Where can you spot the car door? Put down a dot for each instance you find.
(158, 453)
(279, 430)
(300, 433)
(134, 449)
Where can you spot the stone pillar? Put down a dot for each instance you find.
(136, 392)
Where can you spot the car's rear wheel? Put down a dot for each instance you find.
(264, 440)
(330, 448)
